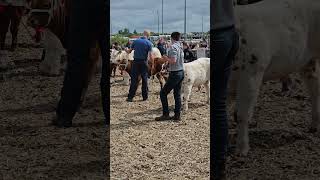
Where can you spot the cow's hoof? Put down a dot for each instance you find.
(80, 111)
(284, 89)
(312, 130)
(12, 48)
(242, 149)
(315, 131)
(185, 108)
(49, 74)
(47, 71)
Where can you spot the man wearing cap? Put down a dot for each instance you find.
(141, 47)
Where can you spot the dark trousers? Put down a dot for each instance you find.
(139, 68)
(174, 82)
(225, 44)
(87, 26)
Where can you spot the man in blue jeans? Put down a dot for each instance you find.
(141, 47)
(225, 45)
(176, 74)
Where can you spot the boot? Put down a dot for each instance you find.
(164, 117)
(176, 117)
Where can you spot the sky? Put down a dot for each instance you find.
(142, 14)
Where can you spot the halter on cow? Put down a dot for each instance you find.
(50, 11)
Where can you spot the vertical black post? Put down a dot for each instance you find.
(104, 42)
(162, 17)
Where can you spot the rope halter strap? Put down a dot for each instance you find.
(53, 6)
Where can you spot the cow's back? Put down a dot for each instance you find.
(198, 71)
(278, 33)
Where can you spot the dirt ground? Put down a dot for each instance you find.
(31, 148)
(142, 148)
(281, 147)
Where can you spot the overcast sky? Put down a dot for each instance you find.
(142, 14)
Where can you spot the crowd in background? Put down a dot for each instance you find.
(189, 48)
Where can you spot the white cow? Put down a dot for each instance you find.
(53, 52)
(5, 61)
(196, 73)
(277, 37)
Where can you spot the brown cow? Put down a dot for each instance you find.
(10, 14)
(113, 68)
(155, 68)
(53, 15)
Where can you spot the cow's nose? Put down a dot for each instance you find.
(31, 21)
(27, 11)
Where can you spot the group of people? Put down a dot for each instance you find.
(174, 56)
(163, 46)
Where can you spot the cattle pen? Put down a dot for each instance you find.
(281, 147)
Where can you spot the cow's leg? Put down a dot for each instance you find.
(311, 76)
(247, 94)
(207, 87)
(92, 65)
(52, 55)
(126, 78)
(286, 81)
(114, 70)
(4, 25)
(161, 80)
(186, 94)
(14, 27)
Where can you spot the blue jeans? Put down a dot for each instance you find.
(174, 82)
(226, 44)
(139, 68)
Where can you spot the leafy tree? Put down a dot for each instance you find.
(135, 32)
(119, 39)
(126, 31)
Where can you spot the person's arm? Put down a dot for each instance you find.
(172, 56)
(150, 54)
(130, 49)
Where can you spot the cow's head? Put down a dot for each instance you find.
(115, 56)
(41, 12)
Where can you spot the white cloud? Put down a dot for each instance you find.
(142, 14)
